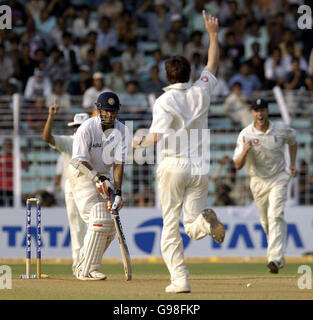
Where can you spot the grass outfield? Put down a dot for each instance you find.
(209, 281)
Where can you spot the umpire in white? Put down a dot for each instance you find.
(64, 144)
(260, 149)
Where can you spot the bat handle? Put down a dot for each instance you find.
(112, 198)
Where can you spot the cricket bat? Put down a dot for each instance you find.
(116, 219)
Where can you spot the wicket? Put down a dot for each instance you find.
(28, 275)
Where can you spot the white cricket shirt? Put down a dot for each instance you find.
(181, 115)
(100, 150)
(266, 157)
(64, 144)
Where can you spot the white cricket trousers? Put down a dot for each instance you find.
(270, 196)
(76, 224)
(84, 192)
(180, 190)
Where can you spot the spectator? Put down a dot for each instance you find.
(288, 37)
(70, 52)
(79, 86)
(232, 49)
(276, 27)
(57, 68)
(57, 8)
(40, 58)
(237, 108)
(107, 36)
(111, 9)
(193, 14)
(83, 25)
(26, 64)
(274, 69)
(126, 27)
(35, 38)
(59, 30)
(37, 115)
(37, 86)
(256, 63)
(226, 68)
(132, 100)
(231, 15)
(256, 34)
(159, 61)
(63, 98)
(177, 28)
(92, 62)
(132, 59)
(45, 22)
(220, 91)
(91, 94)
(35, 7)
(6, 172)
(6, 67)
(297, 81)
(117, 79)
(154, 84)
(249, 82)
(196, 66)
(91, 44)
(297, 78)
(172, 46)
(154, 13)
(291, 53)
(230, 190)
(195, 45)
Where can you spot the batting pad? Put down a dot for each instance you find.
(100, 233)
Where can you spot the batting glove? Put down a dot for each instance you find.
(118, 201)
(104, 185)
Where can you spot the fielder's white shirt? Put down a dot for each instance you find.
(100, 150)
(64, 144)
(266, 157)
(181, 115)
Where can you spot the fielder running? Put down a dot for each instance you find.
(64, 145)
(100, 144)
(260, 149)
(183, 108)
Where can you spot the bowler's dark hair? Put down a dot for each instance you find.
(177, 69)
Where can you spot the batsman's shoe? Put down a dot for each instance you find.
(92, 276)
(274, 266)
(217, 230)
(176, 289)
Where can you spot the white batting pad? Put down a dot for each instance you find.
(99, 235)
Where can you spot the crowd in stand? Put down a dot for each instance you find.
(60, 48)
(63, 48)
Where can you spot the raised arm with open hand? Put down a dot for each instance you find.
(211, 26)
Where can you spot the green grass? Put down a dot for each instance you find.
(160, 269)
(217, 281)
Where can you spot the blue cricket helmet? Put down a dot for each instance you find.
(108, 101)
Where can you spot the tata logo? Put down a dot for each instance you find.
(149, 234)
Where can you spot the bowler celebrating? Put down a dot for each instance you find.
(179, 113)
(260, 149)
